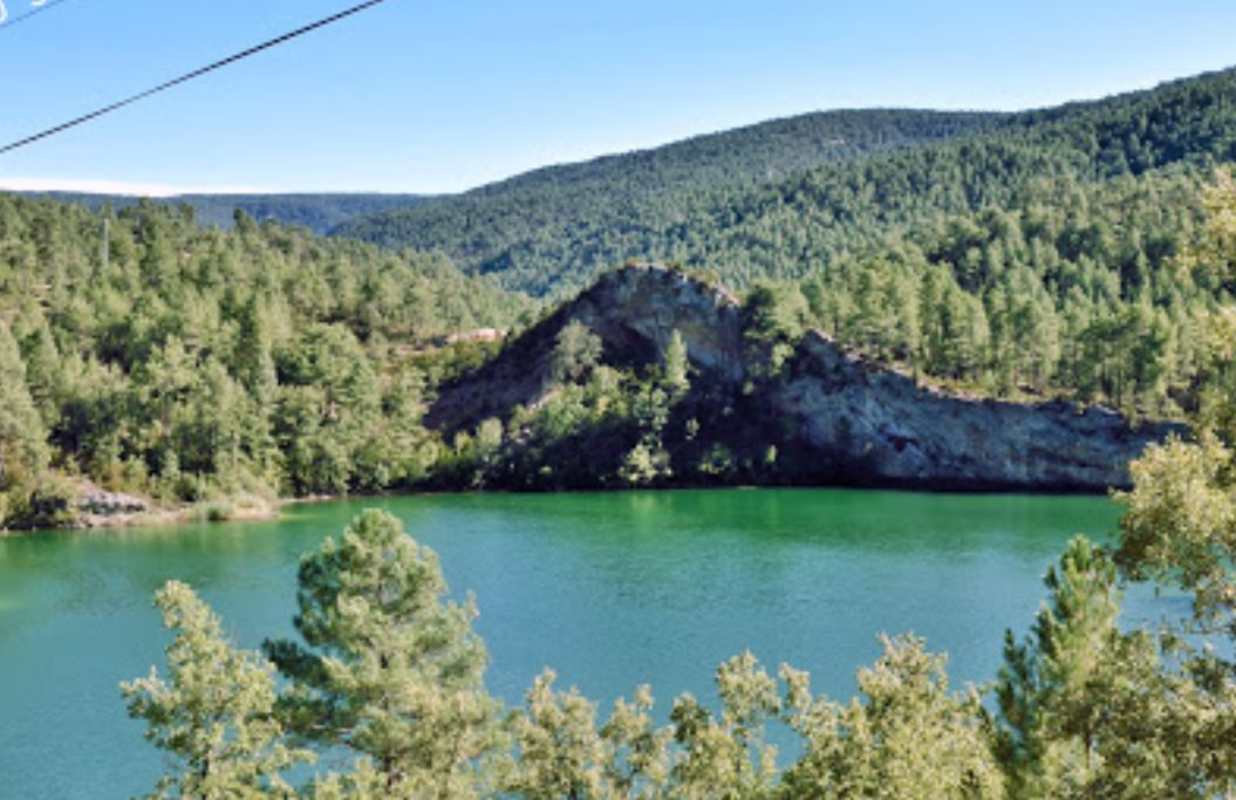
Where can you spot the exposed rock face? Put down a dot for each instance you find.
(891, 431)
(638, 309)
(97, 502)
(635, 311)
(861, 423)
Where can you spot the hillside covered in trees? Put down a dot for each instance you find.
(145, 352)
(1072, 255)
(1018, 256)
(787, 199)
(192, 365)
(553, 228)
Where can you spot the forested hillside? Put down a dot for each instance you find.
(317, 212)
(1028, 255)
(1067, 254)
(147, 353)
(554, 227)
(748, 204)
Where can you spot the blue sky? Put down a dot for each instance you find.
(441, 96)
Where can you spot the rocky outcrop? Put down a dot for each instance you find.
(886, 429)
(635, 311)
(97, 502)
(846, 419)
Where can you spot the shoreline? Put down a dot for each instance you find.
(249, 508)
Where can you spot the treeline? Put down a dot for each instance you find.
(146, 353)
(733, 212)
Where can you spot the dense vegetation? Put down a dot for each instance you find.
(1159, 347)
(319, 213)
(751, 203)
(147, 353)
(555, 227)
(193, 365)
(1085, 290)
(1062, 253)
(1028, 255)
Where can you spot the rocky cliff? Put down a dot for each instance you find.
(840, 419)
(635, 310)
(897, 432)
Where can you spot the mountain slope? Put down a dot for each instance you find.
(716, 202)
(147, 354)
(555, 225)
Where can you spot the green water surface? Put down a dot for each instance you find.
(612, 590)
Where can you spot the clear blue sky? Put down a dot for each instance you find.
(440, 96)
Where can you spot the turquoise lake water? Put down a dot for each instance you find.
(612, 590)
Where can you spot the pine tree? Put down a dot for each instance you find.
(214, 714)
(388, 668)
(562, 754)
(577, 350)
(1049, 689)
(676, 366)
(907, 738)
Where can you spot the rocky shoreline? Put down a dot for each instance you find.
(95, 508)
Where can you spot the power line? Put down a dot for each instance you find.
(6, 22)
(188, 76)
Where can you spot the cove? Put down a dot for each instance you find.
(611, 589)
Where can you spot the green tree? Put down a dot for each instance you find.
(388, 668)
(676, 366)
(1179, 525)
(24, 454)
(775, 315)
(576, 351)
(214, 715)
(43, 374)
(909, 736)
(727, 757)
(561, 753)
(1049, 692)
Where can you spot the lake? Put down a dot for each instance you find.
(611, 589)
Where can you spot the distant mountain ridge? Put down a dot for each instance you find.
(319, 212)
